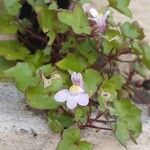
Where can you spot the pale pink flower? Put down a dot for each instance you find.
(100, 19)
(76, 94)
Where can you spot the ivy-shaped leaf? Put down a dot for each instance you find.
(146, 55)
(7, 24)
(22, 74)
(71, 139)
(121, 6)
(40, 98)
(132, 30)
(5, 64)
(12, 6)
(92, 79)
(49, 22)
(13, 50)
(87, 51)
(81, 114)
(76, 19)
(72, 62)
(128, 123)
(114, 83)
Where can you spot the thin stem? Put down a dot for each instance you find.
(102, 121)
(95, 127)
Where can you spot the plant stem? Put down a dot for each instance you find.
(95, 127)
(102, 121)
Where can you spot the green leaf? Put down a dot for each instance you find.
(52, 6)
(7, 24)
(87, 51)
(72, 134)
(84, 145)
(146, 55)
(65, 120)
(36, 59)
(65, 144)
(23, 75)
(40, 97)
(107, 47)
(122, 133)
(52, 25)
(128, 120)
(13, 50)
(81, 114)
(132, 30)
(56, 126)
(4, 64)
(12, 6)
(114, 83)
(92, 79)
(76, 19)
(71, 139)
(72, 62)
(121, 6)
(111, 34)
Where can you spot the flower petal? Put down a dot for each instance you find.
(83, 99)
(72, 102)
(94, 12)
(62, 95)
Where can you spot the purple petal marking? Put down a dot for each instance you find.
(83, 99)
(77, 79)
(62, 95)
(72, 102)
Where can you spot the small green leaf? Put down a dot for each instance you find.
(72, 134)
(65, 120)
(52, 6)
(4, 64)
(81, 114)
(87, 51)
(7, 24)
(56, 126)
(114, 83)
(12, 6)
(128, 120)
(36, 60)
(65, 144)
(13, 50)
(52, 25)
(84, 145)
(122, 133)
(40, 97)
(23, 75)
(132, 30)
(91, 85)
(71, 139)
(76, 19)
(72, 62)
(121, 6)
(146, 55)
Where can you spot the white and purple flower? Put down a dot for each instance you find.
(100, 19)
(76, 94)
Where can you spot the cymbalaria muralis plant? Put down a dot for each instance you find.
(65, 60)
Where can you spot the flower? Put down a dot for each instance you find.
(76, 94)
(100, 19)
